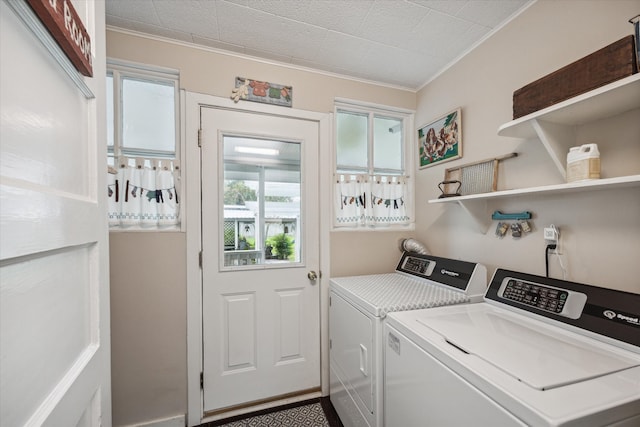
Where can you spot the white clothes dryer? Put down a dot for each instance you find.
(536, 352)
(358, 307)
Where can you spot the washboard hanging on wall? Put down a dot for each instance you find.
(472, 178)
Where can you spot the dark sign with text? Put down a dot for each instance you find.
(66, 27)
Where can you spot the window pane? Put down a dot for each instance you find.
(387, 144)
(262, 194)
(351, 147)
(240, 197)
(110, 111)
(148, 111)
(282, 212)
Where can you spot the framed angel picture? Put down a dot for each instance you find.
(440, 140)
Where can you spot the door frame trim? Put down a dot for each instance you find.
(192, 103)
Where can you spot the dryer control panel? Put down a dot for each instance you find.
(468, 277)
(421, 266)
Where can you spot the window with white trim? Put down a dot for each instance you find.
(142, 111)
(143, 147)
(373, 158)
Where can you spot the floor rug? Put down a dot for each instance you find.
(305, 415)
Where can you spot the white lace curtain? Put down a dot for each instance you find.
(371, 201)
(143, 195)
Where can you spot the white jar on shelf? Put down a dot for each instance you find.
(583, 163)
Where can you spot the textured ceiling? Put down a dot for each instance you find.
(401, 43)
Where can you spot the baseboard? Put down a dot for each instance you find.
(177, 421)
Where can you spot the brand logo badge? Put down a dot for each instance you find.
(449, 273)
(631, 320)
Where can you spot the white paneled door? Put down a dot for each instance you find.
(260, 232)
(54, 290)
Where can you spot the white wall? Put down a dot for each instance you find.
(600, 230)
(148, 326)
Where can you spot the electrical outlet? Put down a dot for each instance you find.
(550, 235)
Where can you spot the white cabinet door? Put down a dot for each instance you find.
(54, 290)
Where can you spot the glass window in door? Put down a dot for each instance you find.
(261, 209)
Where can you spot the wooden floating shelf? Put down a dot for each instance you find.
(595, 184)
(476, 204)
(607, 101)
(554, 126)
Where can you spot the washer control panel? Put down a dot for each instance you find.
(559, 301)
(606, 312)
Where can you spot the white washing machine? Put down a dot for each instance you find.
(536, 352)
(358, 307)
